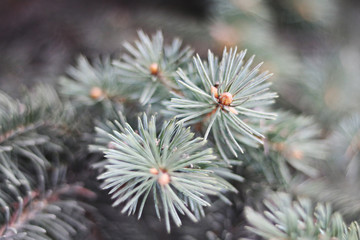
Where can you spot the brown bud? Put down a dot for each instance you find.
(164, 179)
(154, 171)
(96, 93)
(279, 146)
(297, 154)
(214, 91)
(226, 98)
(154, 69)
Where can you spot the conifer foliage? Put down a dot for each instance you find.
(299, 220)
(171, 166)
(168, 130)
(151, 64)
(32, 174)
(228, 94)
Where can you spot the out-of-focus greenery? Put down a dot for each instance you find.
(312, 47)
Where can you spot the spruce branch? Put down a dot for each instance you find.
(152, 64)
(170, 164)
(292, 143)
(22, 121)
(345, 143)
(31, 202)
(31, 143)
(88, 84)
(338, 183)
(228, 98)
(48, 218)
(293, 220)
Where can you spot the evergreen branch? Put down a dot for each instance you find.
(340, 175)
(30, 207)
(30, 204)
(152, 63)
(292, 143)
(226, 91)
(88, 84)
(293, 220)
(21, 122)
(171, 165)
(345, 145)
(48, 217)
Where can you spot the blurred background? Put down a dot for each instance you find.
(312, 47)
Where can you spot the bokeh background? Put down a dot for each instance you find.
(312, 47)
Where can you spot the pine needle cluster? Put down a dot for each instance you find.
(213, 117)
(171, 165)
(288, 219)
(226, 99)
